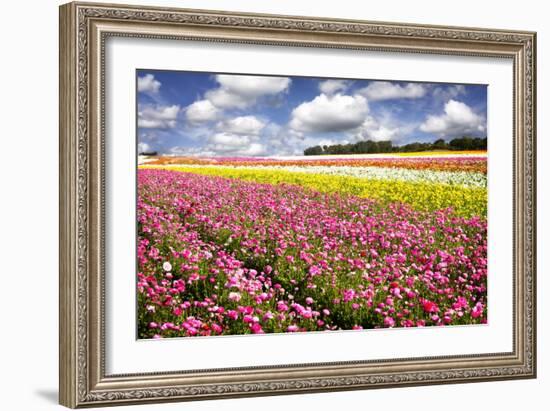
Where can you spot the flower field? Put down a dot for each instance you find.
(251, 246)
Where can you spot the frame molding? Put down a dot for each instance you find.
(84, 27)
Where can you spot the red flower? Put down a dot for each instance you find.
(430, 307)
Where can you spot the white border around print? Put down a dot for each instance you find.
(125, 354)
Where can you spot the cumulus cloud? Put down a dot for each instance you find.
(143, 147)
(158, 116)
(148, 84)
(236, 91)
(384, 90)
(225, 144)
(333, 86)
(372, 129)
(242, 125)
(458, 119)
(251, 150)
(330, 113)
(228, 141)
(201, 111)
(446, 93)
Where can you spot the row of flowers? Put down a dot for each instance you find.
(221, 256)
(463, 178)
(476, 164)
(426, 196)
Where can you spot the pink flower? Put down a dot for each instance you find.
(281, 306)
(460, 303)
(167, 266)
(349, 295)
(292, 328)
(232, 314)
(389, 322)
(477, 311)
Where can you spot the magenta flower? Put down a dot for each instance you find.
(389, 322)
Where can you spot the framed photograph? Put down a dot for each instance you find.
(261, 205)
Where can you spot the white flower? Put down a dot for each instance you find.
(167, 266)
(233, 296)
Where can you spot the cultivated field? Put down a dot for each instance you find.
(262, 245)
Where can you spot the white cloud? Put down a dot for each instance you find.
(224, 99)
(238, 91)
(333, 86)
(183, 151)
(253, 150)
(148, 84)
(457, 120)
(242, 125)
(372, 129)
(446, 93)
(384, 90)
(225, 144)
(201, 111)
(228, 141)
(143, 147)
(330, 113)
(158, 116)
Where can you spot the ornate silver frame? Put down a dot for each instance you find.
(83, 30)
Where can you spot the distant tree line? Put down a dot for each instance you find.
(148, 153)
(372, 147)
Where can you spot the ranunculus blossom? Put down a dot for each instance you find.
(166, 266)
(234, 296)
(389, 322)
(430, 307)
(477, 311)
(256, 328)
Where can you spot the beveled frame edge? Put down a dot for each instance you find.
(83, 28)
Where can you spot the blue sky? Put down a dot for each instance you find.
(206, 114)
